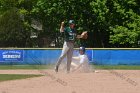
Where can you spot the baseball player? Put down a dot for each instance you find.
(82, 61)
(70, 35)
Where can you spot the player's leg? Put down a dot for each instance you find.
(63, 54)
(69, 56)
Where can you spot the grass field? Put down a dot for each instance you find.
(8, 67)
(6, 77)
(34, 67)
(118, 67)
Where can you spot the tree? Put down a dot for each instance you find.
(15, 20)
(11, 29)
(110, 23)
(125, 28)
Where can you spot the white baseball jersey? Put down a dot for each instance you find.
(81, 63)
(84, 61)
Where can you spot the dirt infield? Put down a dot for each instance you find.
(106, 81)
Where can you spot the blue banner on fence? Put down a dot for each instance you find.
(11, 55)
(90, 55)
(41, 56)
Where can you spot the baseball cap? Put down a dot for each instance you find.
(82, 49)
(71, 22)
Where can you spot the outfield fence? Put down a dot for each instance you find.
(100, 56)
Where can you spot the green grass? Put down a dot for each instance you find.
(33, 67)
(118, 67)
(37, 67)
(7, 77)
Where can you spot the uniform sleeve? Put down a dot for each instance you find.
(76, 58)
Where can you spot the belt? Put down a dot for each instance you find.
(70, 41)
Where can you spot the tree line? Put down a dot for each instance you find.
(36, 23)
